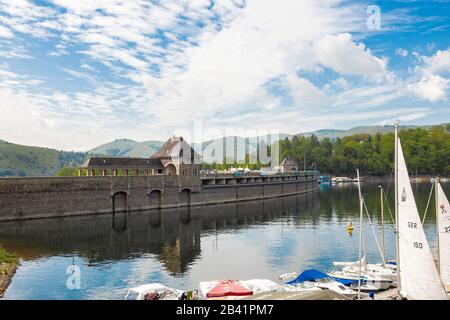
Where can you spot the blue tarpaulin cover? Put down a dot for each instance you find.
(311, 275)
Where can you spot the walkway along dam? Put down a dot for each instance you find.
(166, 180)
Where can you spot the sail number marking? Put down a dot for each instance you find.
(446, 229)
(418, 245)
(412, 225)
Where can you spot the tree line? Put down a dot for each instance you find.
(426, 152)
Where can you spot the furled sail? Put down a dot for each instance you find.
(355, 264)
(443, 221)
(419, 278)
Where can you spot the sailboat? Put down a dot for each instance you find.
(385, 270)
(418, 276)
(370, 276)
(443, 229)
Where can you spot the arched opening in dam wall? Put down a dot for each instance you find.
(120, 202)
(155, 199)
(185, 197)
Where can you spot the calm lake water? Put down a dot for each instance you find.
(180, 248)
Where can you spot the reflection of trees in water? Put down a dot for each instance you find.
(341, 202)
(173, 236)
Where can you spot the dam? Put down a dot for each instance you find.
(169, 179)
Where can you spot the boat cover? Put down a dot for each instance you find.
(312, 275)
(228, 288)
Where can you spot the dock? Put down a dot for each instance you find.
(390, 294)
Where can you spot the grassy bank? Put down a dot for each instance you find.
(8, 266)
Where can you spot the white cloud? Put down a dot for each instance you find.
(305, 93)
(366, 97)
(5, 32)
(431, 87)
(341, 54)
(87, 67)
(163, 69)
(432, 84)
(23, 16)
(401, 52)
(439, 62)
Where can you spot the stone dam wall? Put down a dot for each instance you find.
(31, 198)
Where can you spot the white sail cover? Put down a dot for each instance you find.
(419, 278)
(443, 221)
(363, 262)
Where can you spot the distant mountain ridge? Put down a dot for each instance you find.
(128, 148)
(337, 133)
(19, 160)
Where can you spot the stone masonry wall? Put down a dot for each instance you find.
(29, 198)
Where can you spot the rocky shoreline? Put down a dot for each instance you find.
(8, 266)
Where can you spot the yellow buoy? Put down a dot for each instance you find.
(349, 227)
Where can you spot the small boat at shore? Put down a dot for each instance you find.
(224, 289)
(313, 280)
(262, 285)
(154, 291)
(378, 272)
(360, 273)
(376, 283)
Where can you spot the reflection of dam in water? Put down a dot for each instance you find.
(171, 235)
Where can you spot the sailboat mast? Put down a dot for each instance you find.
(382, 223)
(436, 200)
(396, 207)
(360, 234)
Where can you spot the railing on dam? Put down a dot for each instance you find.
(256, 177)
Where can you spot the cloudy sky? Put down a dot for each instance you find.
(75, 74)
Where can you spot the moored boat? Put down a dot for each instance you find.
(154, 291)
(380, 283)
(223, 289)
(311, 280)
(418, 276)
(443, 230)
(261, 285)
(341, 179)
(379, 272)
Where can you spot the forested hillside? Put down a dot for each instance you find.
(426, 152)
(18, 160)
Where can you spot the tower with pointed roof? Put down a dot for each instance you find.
(178, 157)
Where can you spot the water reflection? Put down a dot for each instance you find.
(181, 247)
(174, 236)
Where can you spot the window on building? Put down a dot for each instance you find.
(194, 172)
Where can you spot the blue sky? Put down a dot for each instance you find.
(76, 74)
